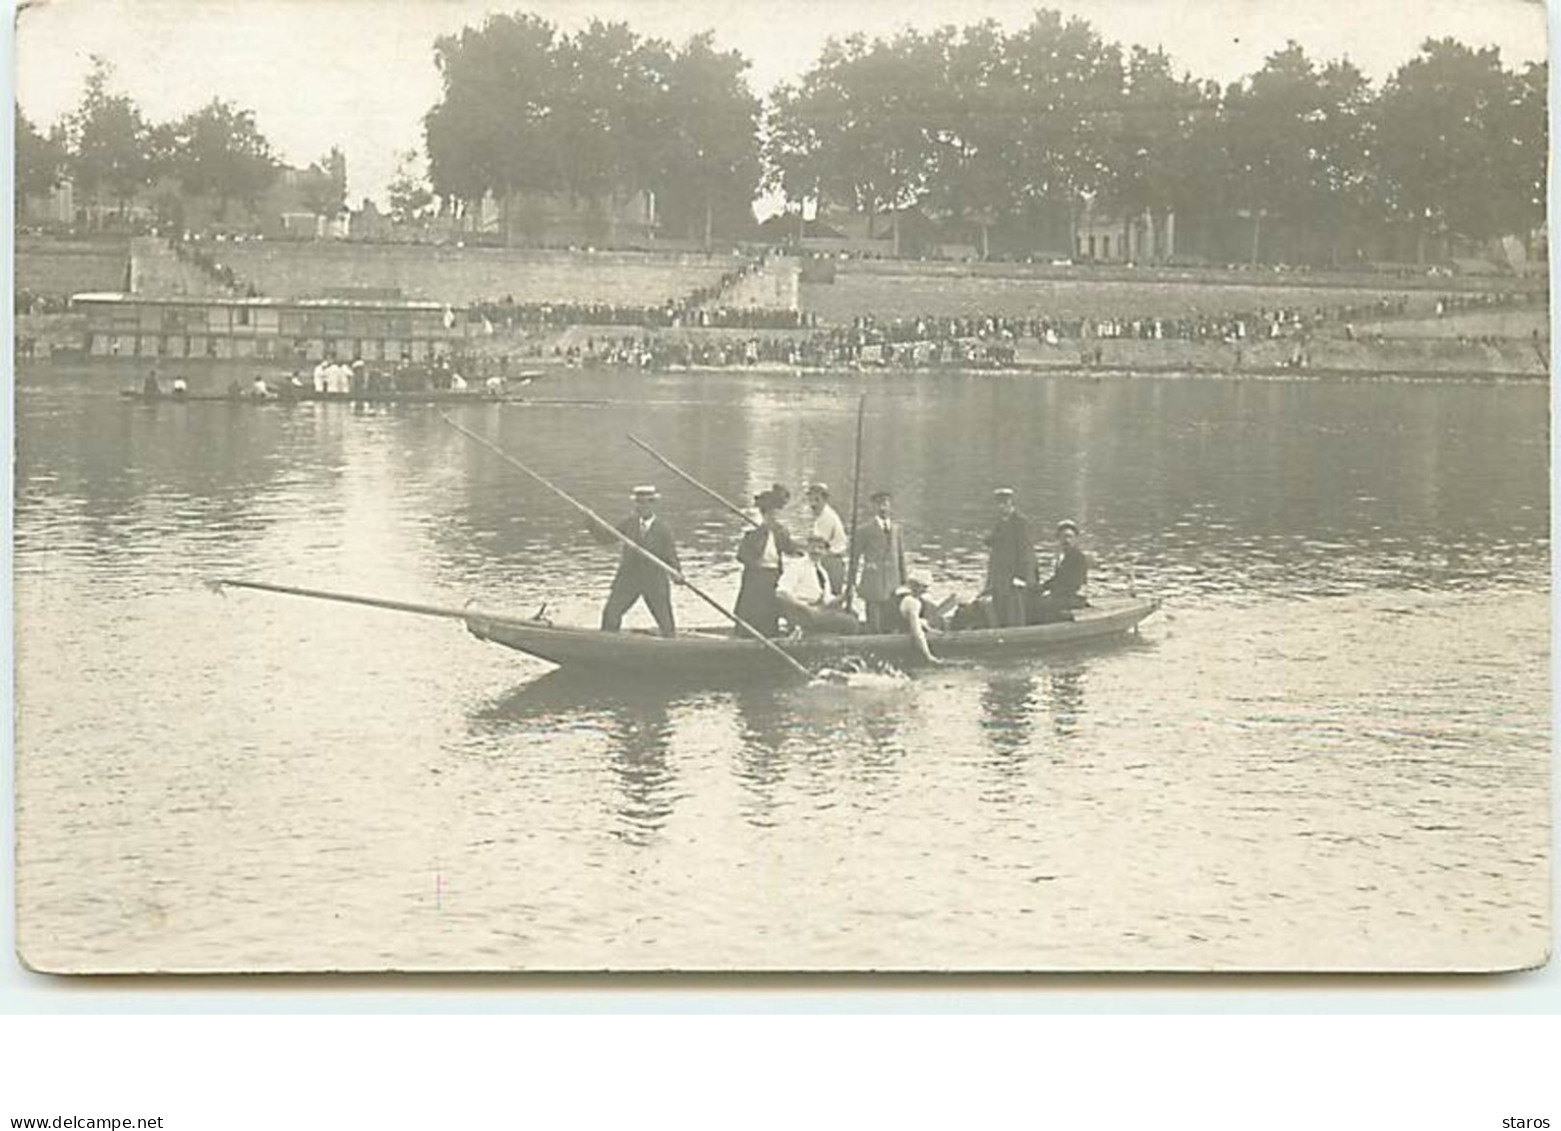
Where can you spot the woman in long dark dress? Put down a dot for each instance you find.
(761, 551)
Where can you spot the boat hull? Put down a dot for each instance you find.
(716, 654)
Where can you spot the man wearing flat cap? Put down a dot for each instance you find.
(637, 578)
(1010, 569)
(880, 544)
(1062, 591)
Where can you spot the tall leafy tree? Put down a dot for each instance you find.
(1524, 136)
(410, 196)
(40, 160)
(709, 155)
(1160, 152)
(496, 125)
(606, 99)
(972, 111)
(857, 126)
(1444, 143)
(218, 152)
(796, 130)
(1298, 139)
(1342, 178)
(107, 139)
(1068, 81)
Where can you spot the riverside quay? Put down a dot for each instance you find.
(127, 325)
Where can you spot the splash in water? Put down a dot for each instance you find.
(861, 672)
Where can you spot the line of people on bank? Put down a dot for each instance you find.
(804, 586)
(507, 314)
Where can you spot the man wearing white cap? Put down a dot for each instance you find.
(827, 526)
(637, 578)
(912, 610)
(1010, 570)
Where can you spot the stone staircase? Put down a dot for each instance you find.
(156, 271)
(776, 285)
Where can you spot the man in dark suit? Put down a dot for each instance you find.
(1010, 571)
(880, 543)
(1062, 590)
(637, 578)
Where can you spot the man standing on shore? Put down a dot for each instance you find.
(637, 578)
(880, 543)
(1010, 571)
(832, 532)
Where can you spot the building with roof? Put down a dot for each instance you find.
(373, 328)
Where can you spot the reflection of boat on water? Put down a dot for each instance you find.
(717, 654)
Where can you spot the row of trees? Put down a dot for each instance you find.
(990, 128)
(599, 115)
(113, 155)
(998, 134)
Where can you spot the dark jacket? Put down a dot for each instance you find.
(1013, 553)
(1069, 576)
(751, 548)
(658, 540)
(883, 560)
(756, 596)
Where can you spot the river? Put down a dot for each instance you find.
(1330, 749)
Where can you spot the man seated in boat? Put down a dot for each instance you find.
(638, 578)
(1062, 592)
(259, 389)
(180, 387)
(916, 613)
(807, 599)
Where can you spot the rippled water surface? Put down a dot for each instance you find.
(1329, 751)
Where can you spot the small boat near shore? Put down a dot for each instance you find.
(718, 654)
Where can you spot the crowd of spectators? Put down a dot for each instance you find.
(970, 341)
(508, 315)
(1487, 300)
(25, 301)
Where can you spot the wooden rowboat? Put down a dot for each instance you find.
(706, 653)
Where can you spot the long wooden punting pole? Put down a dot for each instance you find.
(688, 478)
(354, 599)
(856, 490)
(633, 545)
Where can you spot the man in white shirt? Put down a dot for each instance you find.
(807, 599)
(827, 525)
(913, 610)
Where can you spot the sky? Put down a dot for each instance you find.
(360, 73)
